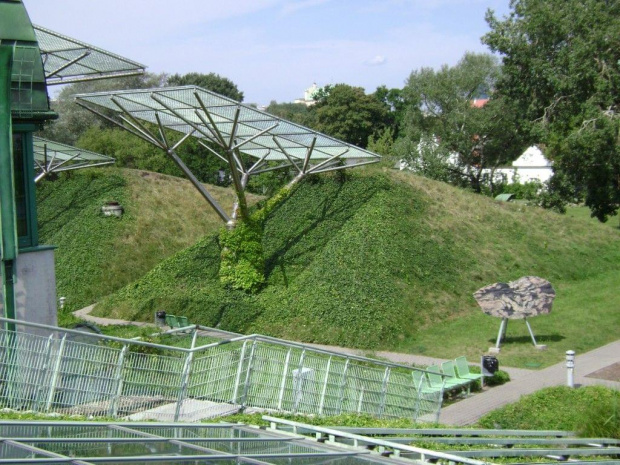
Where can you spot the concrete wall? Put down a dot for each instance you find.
(35, 288)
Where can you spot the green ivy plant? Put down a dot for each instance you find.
(242, 264)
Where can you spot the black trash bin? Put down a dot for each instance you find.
(160, 318)
(489, 365)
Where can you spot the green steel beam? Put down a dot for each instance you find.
(7, 188)
(8, 229)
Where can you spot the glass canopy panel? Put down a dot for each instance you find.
(53, 156)
(69, 60)
(183, 443)
(208, 115)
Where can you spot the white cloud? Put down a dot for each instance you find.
(378, 60)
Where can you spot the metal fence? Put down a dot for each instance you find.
(54, 370)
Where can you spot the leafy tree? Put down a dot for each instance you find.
(561, 65)
(446, 136)
(213, 82)
(295, 112)
(349, 114)
(395, 100)
(74, 120)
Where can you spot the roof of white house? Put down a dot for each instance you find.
(532, 158)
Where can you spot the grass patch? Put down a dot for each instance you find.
(98, 255)
(592, 411)
(390, 261)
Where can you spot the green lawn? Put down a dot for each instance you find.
(585, 316)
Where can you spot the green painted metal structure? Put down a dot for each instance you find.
(24, 106)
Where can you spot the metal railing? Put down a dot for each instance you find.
(54, 370)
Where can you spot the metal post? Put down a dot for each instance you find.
(248, 376)
(54, 381)
(343, 384)
(529, 328)
(502, 332)
(386, 377)
(185, 379)
(283, 383)
(119, 381)
(324, 390)
(44, 371)
(360, 401)
(298, 391)
(570, 368)
(8, 228)
(238, 375)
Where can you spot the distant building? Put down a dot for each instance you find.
(532, 165)
(309, 94)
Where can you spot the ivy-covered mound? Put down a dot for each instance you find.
(371, 260)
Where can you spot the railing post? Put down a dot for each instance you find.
(360, 401)
(386, 378)
(343, 384)
(54, 381)
(298, 390)
(283, 382)
(324, 389)
(44, 372)
(238, 375)
(248, 376)
(185, 378)
(118, 376)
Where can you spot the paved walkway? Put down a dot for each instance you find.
(84, 314)
(468, 411)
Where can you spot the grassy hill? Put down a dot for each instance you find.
(390, 261)
(98, 255)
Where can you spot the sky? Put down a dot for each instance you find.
(275, 49)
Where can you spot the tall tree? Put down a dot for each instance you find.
(561, 65)
(349, 114)
(445, 135)
(213, 82)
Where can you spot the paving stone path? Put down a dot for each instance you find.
(469, 410)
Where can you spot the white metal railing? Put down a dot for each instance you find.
(49, 371)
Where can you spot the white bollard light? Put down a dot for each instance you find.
(570, 368)
(62, 301)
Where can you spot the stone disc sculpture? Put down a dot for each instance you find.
(521, 299)
(526, 297)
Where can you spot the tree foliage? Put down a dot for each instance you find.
(446, 136)
(561, 65)
(349, 114)
(212, 81)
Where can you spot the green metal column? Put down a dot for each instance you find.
(8, 245)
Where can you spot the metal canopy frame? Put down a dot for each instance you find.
(85, 443)
(234, 128)
(67, 60)
(54, 157)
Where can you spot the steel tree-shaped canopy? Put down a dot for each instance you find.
(54, 157)
(235, 128)
(67, 60)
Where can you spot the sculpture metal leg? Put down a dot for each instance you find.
(538, 346)
(502, 332)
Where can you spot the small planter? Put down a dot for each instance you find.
(112, 209)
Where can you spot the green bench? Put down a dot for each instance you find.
(177, 321)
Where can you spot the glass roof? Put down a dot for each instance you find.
(69, 60)
(212, 117)
(88, 442)
(50, 157)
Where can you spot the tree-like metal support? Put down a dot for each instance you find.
(229, 131)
